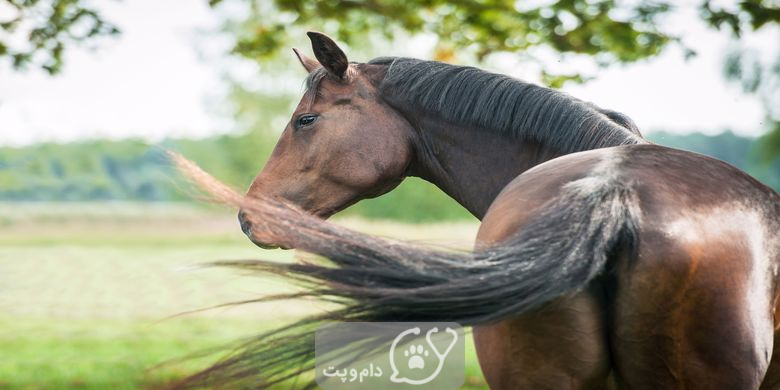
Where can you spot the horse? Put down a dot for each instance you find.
(602, 261)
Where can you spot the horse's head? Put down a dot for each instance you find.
(342, 143)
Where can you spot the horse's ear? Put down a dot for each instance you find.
(329, 54)
(309, 64)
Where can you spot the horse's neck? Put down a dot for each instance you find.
(471, 165)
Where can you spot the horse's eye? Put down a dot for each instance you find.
(305, 120)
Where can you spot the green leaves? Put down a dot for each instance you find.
(747, 15)
(616, 31)
(625, 33)
(48, 27)
(558, 80)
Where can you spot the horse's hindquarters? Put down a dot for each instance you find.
(561, 346)
(693, 311)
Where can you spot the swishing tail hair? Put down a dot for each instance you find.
(557, 252)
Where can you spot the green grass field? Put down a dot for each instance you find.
(93, 296)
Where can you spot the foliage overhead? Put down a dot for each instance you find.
(38, 31)
(613, 31)
(605, 29)
(610, 31)
(746, 15)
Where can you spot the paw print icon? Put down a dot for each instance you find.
(415, 355)
(416, 361)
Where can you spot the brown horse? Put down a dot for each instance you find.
(602, 261)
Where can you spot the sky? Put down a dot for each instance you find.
(164, 77)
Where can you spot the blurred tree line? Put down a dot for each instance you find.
(132, 170)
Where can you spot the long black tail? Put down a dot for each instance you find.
(557, 252)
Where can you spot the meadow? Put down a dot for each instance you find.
(109, 295)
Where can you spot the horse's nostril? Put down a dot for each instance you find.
(246, 226)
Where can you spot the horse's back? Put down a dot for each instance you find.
(686, 199)
(693, 303)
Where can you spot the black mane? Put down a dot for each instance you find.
(469, 95)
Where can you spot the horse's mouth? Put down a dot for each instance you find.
(267, 246)
(246, 227)
(264, 245)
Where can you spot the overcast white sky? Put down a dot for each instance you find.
(162, 77)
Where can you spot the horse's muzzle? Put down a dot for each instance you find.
(246, 227)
